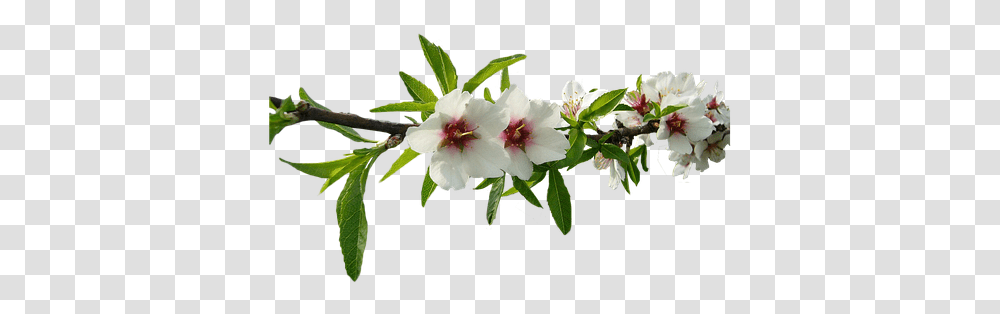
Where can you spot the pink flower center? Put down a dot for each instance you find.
(638, 102)
(458, 134)
(517, 134)
(676, 124)
(713, 104)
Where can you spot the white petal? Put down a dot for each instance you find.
(572, 90)
(649, 89)
(485, 158)
(515, 101)
(629, 118)
(520, 166)
(679, 143)
(617, 175)
(701, 164)
(546, 145)
(489, 119)
(698, 128)
(679, 170)
(453, 104)
(645, 139)
(446, 169)
(699, 147)
(662, 133)
(692, 112)
(543, 114)
(427, 137)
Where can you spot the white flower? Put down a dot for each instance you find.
(575, 98)
(530, 136)
(633, 119)
(718, 112)
(685, 162)
(712, 148)
(617, 172)
(683, 127)
(463, 135)
(668, 89)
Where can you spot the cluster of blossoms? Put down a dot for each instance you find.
(475, 138)
(695, 134)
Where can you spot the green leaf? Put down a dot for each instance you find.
(504, 80)
(406, 106)
(351, 218)
(322, 169)
(643, 156)
(404, 158)
(486, 94)
(347, 132)
(427, 189)
(602, 105)
(354, 164)
(426, 114)
(494, 202)
(492, 68)
(279, 120)
(559, 203)
(615, 152)
(633, 172)
(638, 83)
(605, 138)
(412, 119)
(623, 107)
(577, 140)
(536, 177)
(625, 185)
(649, 116)
(440, 62)
(487, 182)
(671, 109)
(525, 190)
(572, 123)
(587, 155)
(417, 89)
(592, 90)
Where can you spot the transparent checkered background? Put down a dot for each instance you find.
(135, 176)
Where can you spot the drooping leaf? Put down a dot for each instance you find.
(587, 155)
(404, 158)
(536, 177)
(406, 106)
(494, 202)
(492, 68)
(577, 140)
(486, 94)
(602, 105)
(279, 120)
(347, 132)
(412, 119)
(427, 188)
(559, 202)
(643, 156)
(504, 80)
(351, 218)
(322, 169)
(340, 173)
(523, 188)
(623, 107)
(417, 89)
(487, 182)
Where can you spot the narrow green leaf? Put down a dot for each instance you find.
(536, 177)
(615, 152)
(412, 119)
(427, 189)
(649, 116)
(405, 106)
(404, 158)
(504, 80)
(426, 114)
(436, 58)
(643, 157)
(340, 173)
(625, 185)
(587, 155)
(633, 171)
(605, 138)
(559, 202)
(638, 83)
(351, 217)
(592, 90)
(486, 94)
(671, 109)
(572, 123)
(623, 107)
(321, 169)
(347, 132)
(417, 89)
(577, 140)
(494, 202)
(523, 188)
(602, 105)
(278, 121)
(487, 182)
(492, 68)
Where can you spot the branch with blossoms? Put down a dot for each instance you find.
(529, 140)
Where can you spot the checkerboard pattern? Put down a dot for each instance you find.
(135, 176)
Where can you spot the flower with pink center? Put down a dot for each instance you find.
(463, 135)
(576, 98)
(530, 136)
(683, 127)
(669, 89)
(712, 148)
(637, 100)
(685, 162)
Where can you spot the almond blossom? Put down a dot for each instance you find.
(463, 135)
(530, 136)
(575, 98)
(683, 127)
(669, 89)
(617, 172)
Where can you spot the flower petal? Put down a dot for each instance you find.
(489, 119)
(698, 128)
(543, 114)
(446, 170)
(692, 112)
(546, 145)
(453, 104)
(515, 101)
(663, 132)
(427, 137)
(617, 175)
(699, 147)
(679, 143)
(572, 90)
(485, 158)
(520, 166)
